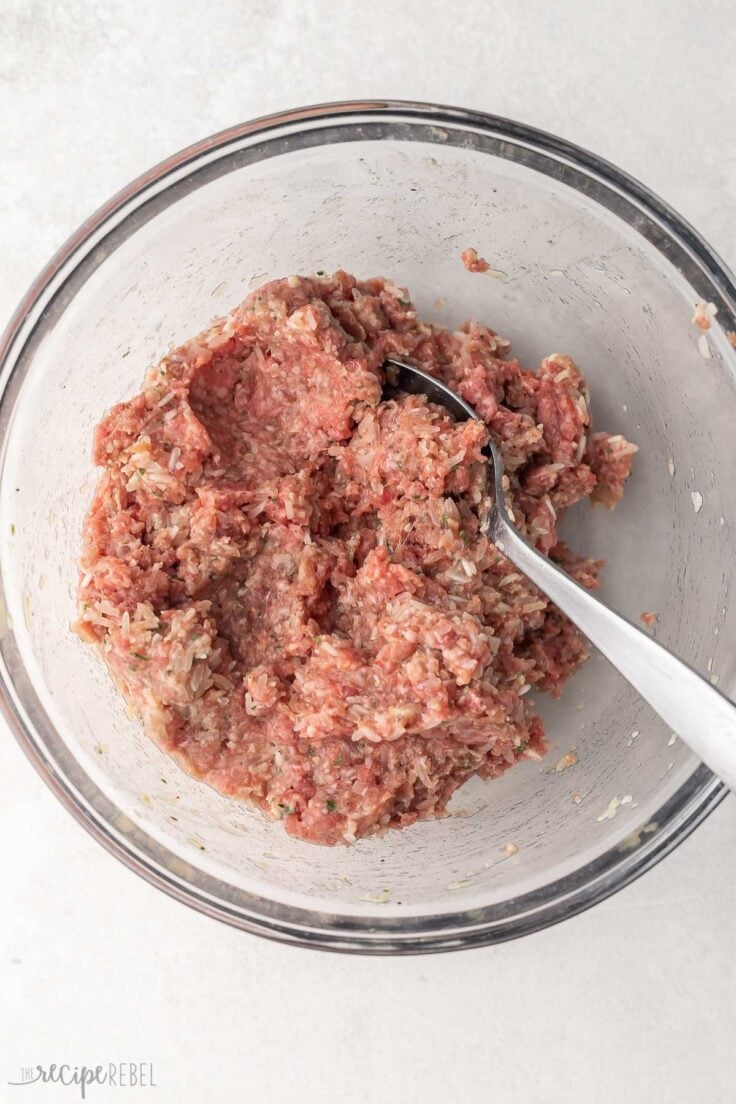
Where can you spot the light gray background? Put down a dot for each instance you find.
(633, 1000)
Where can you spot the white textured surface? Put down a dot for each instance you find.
(636, 997)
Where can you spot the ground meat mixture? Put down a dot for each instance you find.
(285, 575)
(473, 262)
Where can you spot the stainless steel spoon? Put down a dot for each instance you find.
(694, 709)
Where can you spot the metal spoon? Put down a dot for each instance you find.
(694, 709)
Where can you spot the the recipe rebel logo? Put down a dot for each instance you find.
(120, 1075)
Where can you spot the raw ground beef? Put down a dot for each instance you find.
(473, 262)
(284, 574)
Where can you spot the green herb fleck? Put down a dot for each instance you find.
(12, 530)
(140, 655)
(172, 817)
(286, 810)
(311, 752)
(125, 354)
(141, 471)
(331, 806)
(405, 302)
(164, 782)
(445, 521)
(463, 536)
(521, 747)
(338, 761)
(320, 272)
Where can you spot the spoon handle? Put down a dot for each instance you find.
(694, 709)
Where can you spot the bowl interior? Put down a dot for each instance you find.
(572, 276)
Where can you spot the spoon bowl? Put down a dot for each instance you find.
(406, 379)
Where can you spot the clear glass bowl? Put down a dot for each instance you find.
(593, 265)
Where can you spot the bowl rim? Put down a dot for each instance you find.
(565, 897)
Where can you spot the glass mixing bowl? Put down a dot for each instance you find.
(588, 263)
